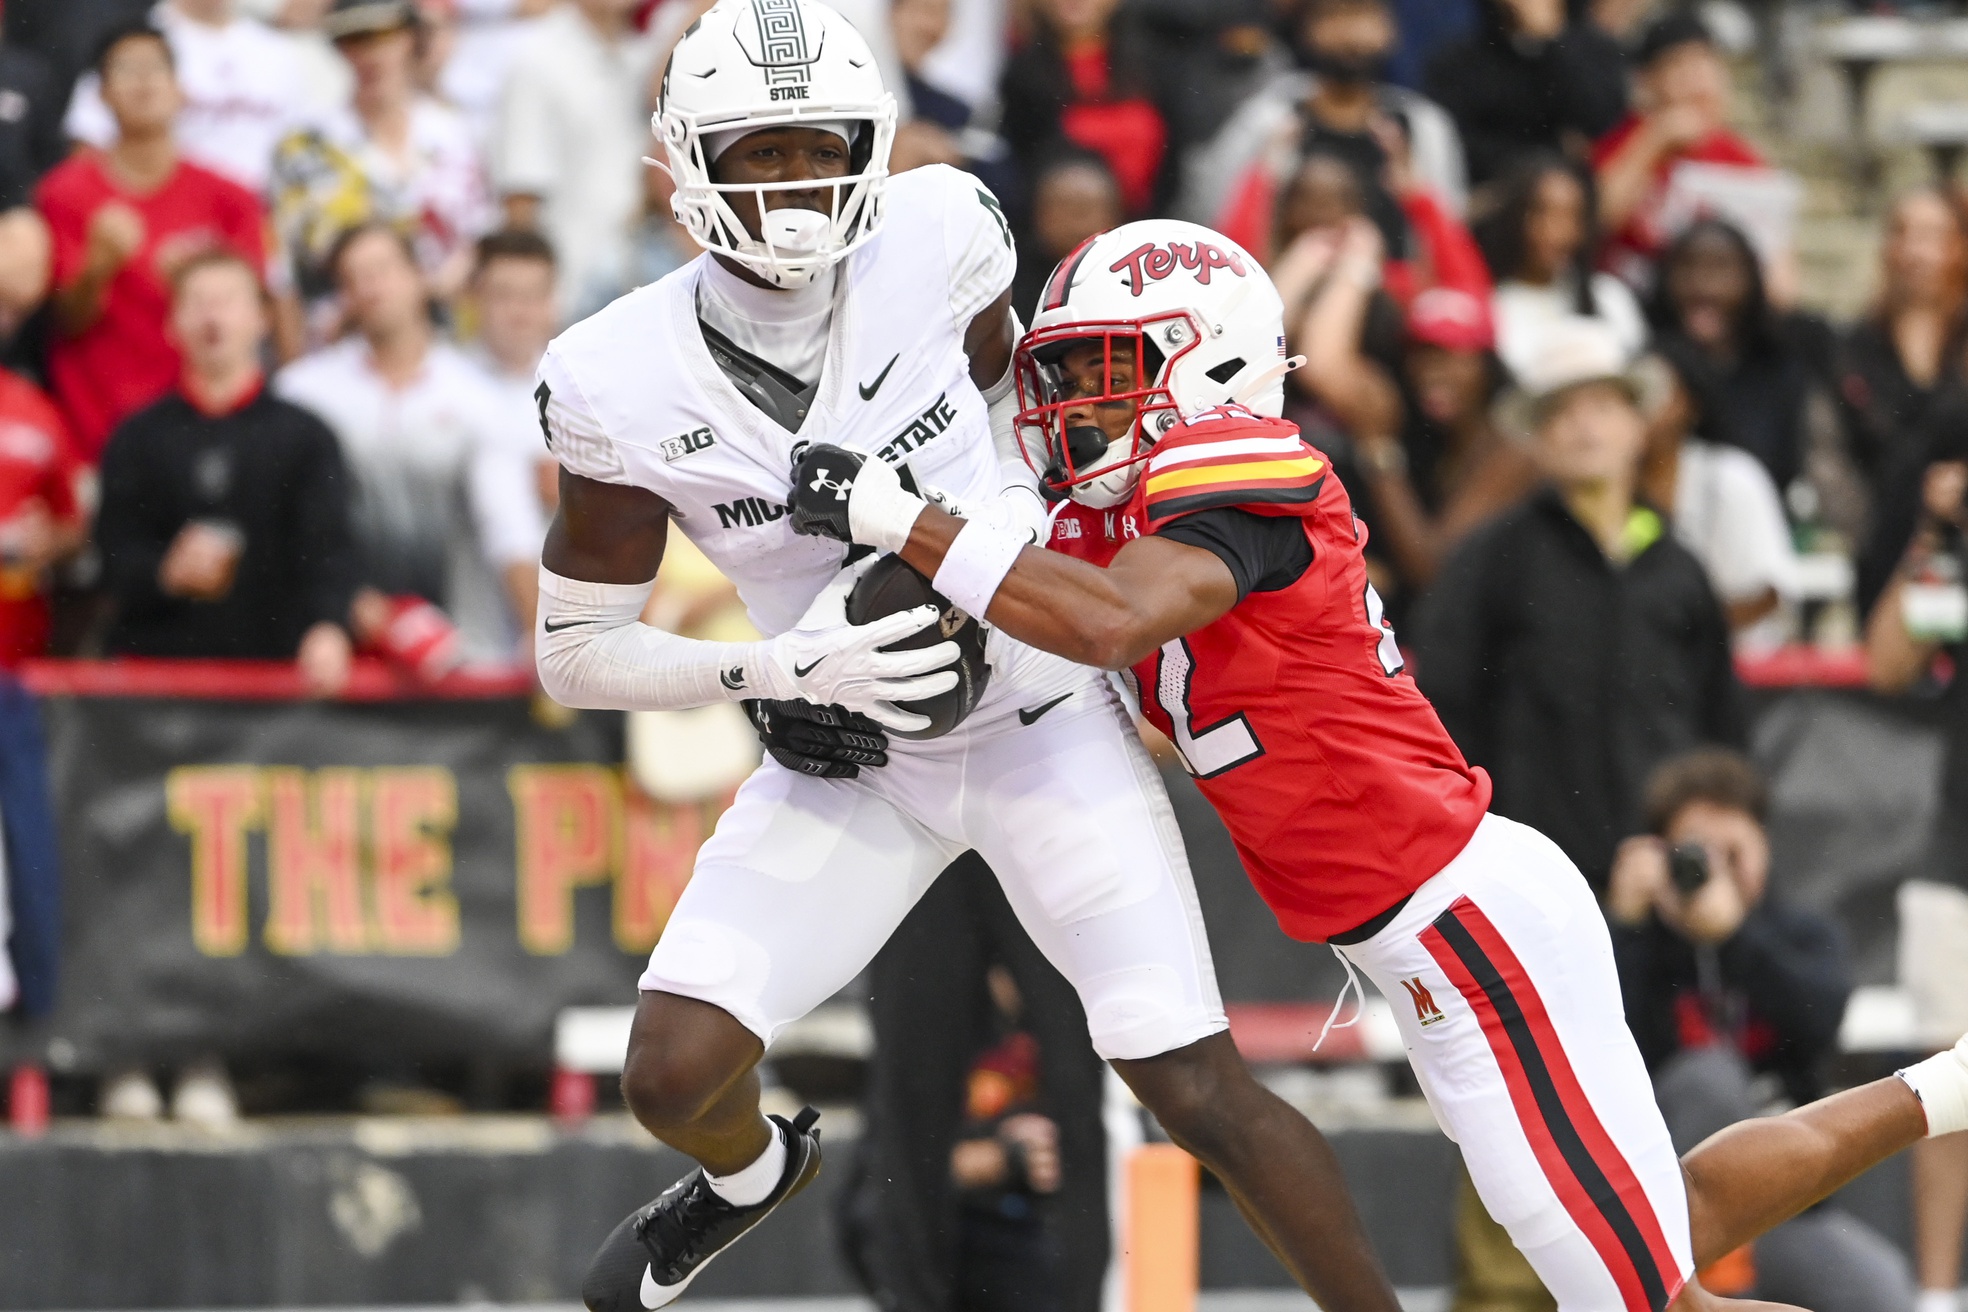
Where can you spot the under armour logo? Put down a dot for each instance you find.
(1424, 1002)
(823, 483)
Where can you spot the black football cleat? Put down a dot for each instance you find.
(651, 1258)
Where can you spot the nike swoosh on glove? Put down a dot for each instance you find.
(825, 660)
(849, 497)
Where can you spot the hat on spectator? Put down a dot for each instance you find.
(1452, 319)
(1670, 33)
(1568, 354)
(353, 18)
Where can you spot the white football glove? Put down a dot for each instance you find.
(826, 660)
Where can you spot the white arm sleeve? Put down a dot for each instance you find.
(595, 654)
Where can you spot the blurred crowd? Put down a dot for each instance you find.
(275, 275)
(415, 194)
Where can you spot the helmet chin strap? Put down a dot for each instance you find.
(1257, 384)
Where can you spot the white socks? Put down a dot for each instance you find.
(1937, 1300)
(751, 1186)
(1941, 1084)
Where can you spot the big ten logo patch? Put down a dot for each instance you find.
(697, 439)
(1067, 529)
(1152, 262)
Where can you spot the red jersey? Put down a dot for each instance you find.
(1340, 787)
(123, 361)
(1631, 251)
(37, 465)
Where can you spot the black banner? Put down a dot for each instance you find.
(386, 881)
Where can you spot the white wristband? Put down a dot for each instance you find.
(1941, 1084)
(976, 564)
(881, 513)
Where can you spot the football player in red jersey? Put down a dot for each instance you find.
(1207, 553)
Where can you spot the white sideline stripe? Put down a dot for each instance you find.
(1236, 446)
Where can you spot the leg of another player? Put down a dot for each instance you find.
(1278, 1167)
(1940, 1214)
(1759, 1173)
(690, 1080)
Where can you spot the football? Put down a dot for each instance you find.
(891, 584)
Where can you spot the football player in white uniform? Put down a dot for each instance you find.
(837, 305)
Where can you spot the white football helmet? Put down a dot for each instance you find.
(1205, 326)
(754, 64)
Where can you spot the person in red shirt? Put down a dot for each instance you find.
(122, 220)
(1682, 114)
(41, 523)
(1220, 568)
(41, 517)
(1084, 78)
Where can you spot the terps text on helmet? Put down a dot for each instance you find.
(1152, 262)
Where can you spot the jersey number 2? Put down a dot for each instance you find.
(1206, 753)
(1229, 743)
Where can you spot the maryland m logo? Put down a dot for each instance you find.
(1425, 1009)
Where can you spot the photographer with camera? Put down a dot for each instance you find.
(1735, 997)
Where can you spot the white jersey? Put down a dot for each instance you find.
(632, 396)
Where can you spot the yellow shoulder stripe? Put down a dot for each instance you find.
(1249, 471)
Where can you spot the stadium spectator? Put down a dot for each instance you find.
(1085, 77)
(919, 26)
(1426, 27)
(1429, 465)
(68, 33)
(572, 128)
(1725, 980)
(415, 418)
(1725, 508)
(1681, 114)
(1913, 343)
(489, 36)
(940, 128)
(1917, 620)
(1342, 105)
(122, 220)
(1213, 55)
(1771, 394)
(224, 526)
(30, 124)
(1074, 197)
(243, 91)
(1572, 644)
(42, 522)
(1540, 240)
(1532, 78)
(513, 291)
(932, 1216)
(392, 154)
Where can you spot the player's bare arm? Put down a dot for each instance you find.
(606, 532)
(1155, 591)
(990, 340)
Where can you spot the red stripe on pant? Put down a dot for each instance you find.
(1621, 1263)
